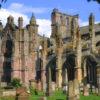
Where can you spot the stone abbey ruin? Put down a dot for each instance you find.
(72, 52)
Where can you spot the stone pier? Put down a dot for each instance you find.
(49, 83)
(98, 79)
(44, 63)
(70, 90)
(59, 68)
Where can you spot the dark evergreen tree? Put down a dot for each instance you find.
(98, 1)
(2, 1)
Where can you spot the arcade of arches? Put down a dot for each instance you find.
(72, 52)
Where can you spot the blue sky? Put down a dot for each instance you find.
(82, 7)
(43, 8)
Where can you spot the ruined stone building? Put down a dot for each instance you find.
(71, 51)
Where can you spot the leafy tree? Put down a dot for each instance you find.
(98, 1)
(2, 1)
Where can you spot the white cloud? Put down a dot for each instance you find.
(27, 9)
(5, 13)
(85, 23)
(44, 24)
(44, 27)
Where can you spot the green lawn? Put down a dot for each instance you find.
(7, 98)
(90, 97)
(55, 96)
(58, 95)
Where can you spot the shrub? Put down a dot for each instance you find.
(33, 91)
(16, 83)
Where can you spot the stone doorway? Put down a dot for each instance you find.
(91, 71)
(69, 66)
(52, 65)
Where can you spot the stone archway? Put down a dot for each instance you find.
(69, 65)
(89, 73)
(51, 75)
(68, 71)
(90, 69)
(98, 46)
(38, 69)
(52, 65)
(98, 43)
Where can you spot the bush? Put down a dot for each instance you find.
(33, 91)
(16, 83)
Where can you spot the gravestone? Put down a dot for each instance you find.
(43, 98)
(81, 87)
(76, 89)
(93, 89)
(65, 81)
(70, 90)
(97, 90)
(21, 94)
(49, 83)
(98, 78)
(65, 89)
(86, 90)
(32, 83)
(53, 86)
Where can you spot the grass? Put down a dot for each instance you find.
(7, 98)
(58, 95)
(90, 97)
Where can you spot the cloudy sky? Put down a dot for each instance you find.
(43, 8)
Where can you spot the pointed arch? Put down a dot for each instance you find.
(98, 43)
(89, 69)
(69, 64)
(52, 65)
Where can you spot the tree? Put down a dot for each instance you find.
(2, 1)
(98, 1)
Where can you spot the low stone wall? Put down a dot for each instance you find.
(11, 92)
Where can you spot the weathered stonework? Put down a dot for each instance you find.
(72, 49)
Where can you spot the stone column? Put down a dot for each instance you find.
(44, 63)
(74, 25)
(70, 91)
(76, 89)
(92, 32)
(64, 80)
(85, 87)
(98, 79)
(43, 71)
(59, 69)
(49, 83)
(1, 67)
(78, 57)
(22, 63)
(73, 88)
(22, 55)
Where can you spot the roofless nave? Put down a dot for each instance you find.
(71, 51)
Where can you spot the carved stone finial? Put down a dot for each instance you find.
(10, 20)
(55, 10)
(91, 15)
(91, 19)
(33, 19)
(20, 22)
